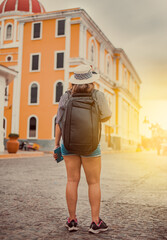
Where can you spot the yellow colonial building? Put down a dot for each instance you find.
(44, 47)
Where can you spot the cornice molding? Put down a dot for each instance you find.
(127, 63)
(8, 17)
(50, 15)
(14, 14)
(9, 45)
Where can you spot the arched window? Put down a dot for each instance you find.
(58, 91)
(32, 133)
(92, 56)
(108, 69)
(9, 32)
(34, 93)
(93, 52)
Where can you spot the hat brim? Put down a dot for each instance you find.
(94, 78)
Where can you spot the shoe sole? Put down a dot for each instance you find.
(72, 229)
(97, 231)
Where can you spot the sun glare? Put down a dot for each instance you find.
(152, 112)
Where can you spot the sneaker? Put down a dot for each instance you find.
(97, 228)
(72, 225)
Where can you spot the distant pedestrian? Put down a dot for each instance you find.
(82, 82)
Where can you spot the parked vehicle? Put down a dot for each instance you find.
(26, 145)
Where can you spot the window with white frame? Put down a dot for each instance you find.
(108, 65)
(32, 127)
(4, 127)
(34, 93)
(35, 62)
(36, 30)
(92, 53)
(59, 60)
(54, 126)
(125, 79)
(58, 91)
(9, 29)
(6, 95)
(60, 27)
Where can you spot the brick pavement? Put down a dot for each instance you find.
(134, 201)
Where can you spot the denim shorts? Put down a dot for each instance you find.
(96, 153)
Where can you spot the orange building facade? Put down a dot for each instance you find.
(44, 48)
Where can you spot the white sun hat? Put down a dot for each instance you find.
(83, 75)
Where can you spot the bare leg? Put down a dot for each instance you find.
(73, 167)
(92, 168)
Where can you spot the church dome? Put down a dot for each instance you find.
(20, 7)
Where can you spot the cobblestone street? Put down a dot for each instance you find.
(134, 198)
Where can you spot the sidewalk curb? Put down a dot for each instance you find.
(42, 153)
(21, 155)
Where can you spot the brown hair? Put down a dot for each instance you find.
(82, 88)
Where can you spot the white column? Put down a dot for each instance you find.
(2, 33)
(15, 30)
(120, 115)
(81, 41)
(2, 103)
(114, 112)
(120, 72)
(17, 86)
(67, 53)
(85, 42)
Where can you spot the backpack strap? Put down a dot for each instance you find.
(68, 92)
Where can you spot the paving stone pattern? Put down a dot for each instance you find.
(134, 199)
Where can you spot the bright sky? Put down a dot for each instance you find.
(140, 28)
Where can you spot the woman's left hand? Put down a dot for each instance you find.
(55, 154)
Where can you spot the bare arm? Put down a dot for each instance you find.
(105, 113)
(57, 136)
